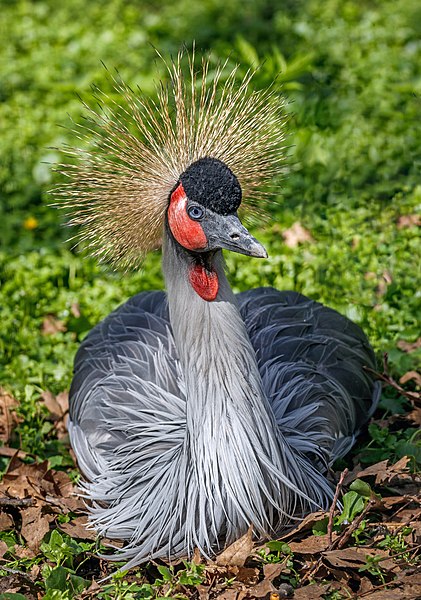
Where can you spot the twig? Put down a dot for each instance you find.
(16, 572)
(375, 589)
(354, 525)
(413, 397)
(333, 506)
(16, 502)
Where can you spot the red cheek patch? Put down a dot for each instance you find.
(187, 232)
(204, 282)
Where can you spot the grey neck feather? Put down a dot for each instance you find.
(231, 430)
(215, 352)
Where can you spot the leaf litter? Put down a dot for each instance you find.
(367, 547)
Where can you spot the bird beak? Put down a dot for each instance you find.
(229, 233)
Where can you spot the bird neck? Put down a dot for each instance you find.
(240, 460)
(217, 358)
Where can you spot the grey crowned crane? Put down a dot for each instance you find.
(196, 413)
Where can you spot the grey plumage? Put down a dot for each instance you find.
(195, 414)
(188, 433)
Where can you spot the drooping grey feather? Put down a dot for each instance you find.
(192, 420)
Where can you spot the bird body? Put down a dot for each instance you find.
(196, 413)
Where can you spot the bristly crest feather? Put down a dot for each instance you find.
(118, 188)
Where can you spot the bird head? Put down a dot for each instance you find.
(202, 211)
(185, 160)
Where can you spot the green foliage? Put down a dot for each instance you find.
(392, 446)
(351, 72)
(61, 549)
(277, 551)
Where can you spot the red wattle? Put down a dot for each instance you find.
(187, 232)
(204, 282)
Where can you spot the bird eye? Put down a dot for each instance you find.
(195, 212)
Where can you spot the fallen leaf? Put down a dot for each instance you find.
(34, 526)
(75, 310)
(310, 545)
(8, 417)
(409, 221)
(23, 551)
(384, 472)
(21, 479)
(247, 575)
(305, 525)
(411, 376)
(384, 282)
(389, 501)
(272, 570)
(296, 234)
(238, 552)
(229, 594)
(355, 558)
(3, 548)
(9, 452)
(51, 325)
(78, 529)
(315, 591)
(262, 590)
(409, 346)
(6, 521)
(57, 406)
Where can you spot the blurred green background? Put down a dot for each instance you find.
(351, 73)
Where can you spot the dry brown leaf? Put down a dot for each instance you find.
(415, 416)
(310, 545)
(6, 521)
(23, 480)
(231, 593)
(78, 529)
(296, 234)
(389, 501)
(237, 553)
(261, 590)
(57, 406)
(3, 548)
(409, 346)
(411, 376)
(247, 575)
(409, 221)
(48, 488)
(23, 552)
(9, 452)
(75, 310)
(384, 282)
(305, 525)
(354, 558)
(8, 417)
(272, 570)
(347, 558)
(384, 472)
(34, 526)
(51, 325)
(314, 591)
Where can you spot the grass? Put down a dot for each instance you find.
(351, 74)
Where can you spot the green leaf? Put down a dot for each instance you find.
(320, 527)
(166, 573)
(277, 546)
(64, 580)
(353, 505)
(362, 488)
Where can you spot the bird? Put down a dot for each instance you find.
(196, 413)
